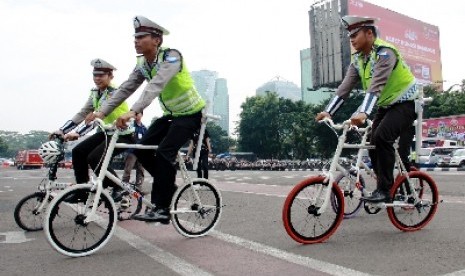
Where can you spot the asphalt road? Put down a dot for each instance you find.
(250, 238)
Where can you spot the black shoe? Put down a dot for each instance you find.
(118, 193)
(377, 196)
(156, 215)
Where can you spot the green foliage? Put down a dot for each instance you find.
(447, 103)
(279, 128)
(326, 141)
(16, 141)
(219, 139)
(3, 148)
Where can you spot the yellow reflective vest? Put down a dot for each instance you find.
(98, 101)
(401, 84)
(179, 97)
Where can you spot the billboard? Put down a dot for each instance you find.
(327, 44)
(417, 41)
(452, 127)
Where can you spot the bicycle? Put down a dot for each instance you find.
(415, 198)
(352, 183)
(195, 209)
(29, 211)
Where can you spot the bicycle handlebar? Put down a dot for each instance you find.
(206, 116)
(111, 127)
(331, 123)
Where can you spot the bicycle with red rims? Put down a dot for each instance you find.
(315, 207)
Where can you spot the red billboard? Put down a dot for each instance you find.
(417, 41)
(452, 127)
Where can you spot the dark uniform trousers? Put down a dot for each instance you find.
(202, 166)
(91, 152)
(170, 134)
(388, 125)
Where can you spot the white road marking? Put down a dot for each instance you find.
(184, 268)
(15, 237)
(286, 256)
(174, 263)
(455, 273)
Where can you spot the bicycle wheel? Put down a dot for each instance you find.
(410, 215)
(192, 218)
(301, 217)
(352, 192)
(27, 214)
(65, 226)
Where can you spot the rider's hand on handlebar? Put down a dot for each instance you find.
(71, 136)
(358, 119)
(56, 133)
(92, 116)
(122, 121)
(320, 116)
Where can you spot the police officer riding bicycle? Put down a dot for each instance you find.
(388, 83)
(168, 79)
(89, 151)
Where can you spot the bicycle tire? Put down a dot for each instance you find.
(186, 215)
(416, 215)
(64, 224)
(27, 207)
(352, 194)
(297, 225)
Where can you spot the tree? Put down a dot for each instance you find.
(447, 103)
(258, 126)
(16, 141)
(326, 140)
(3, 148)
(219, 138)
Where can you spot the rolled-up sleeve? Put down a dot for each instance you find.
(125, 90)
(86, 109)
(168, 69)
(348, 83)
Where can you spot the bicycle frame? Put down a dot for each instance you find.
(335, 167)
(98, 182)
(51, 184)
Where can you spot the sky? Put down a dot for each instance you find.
(47, 46)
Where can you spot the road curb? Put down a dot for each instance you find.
(442, 169)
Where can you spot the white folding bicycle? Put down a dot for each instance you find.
(82, 228)
(30, 210)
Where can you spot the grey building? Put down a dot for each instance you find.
(285, 89)
(309, 94)
(215, 91)
(205, 84)
(221, 106)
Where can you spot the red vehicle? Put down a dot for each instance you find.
(28, 159)
(66, 164)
